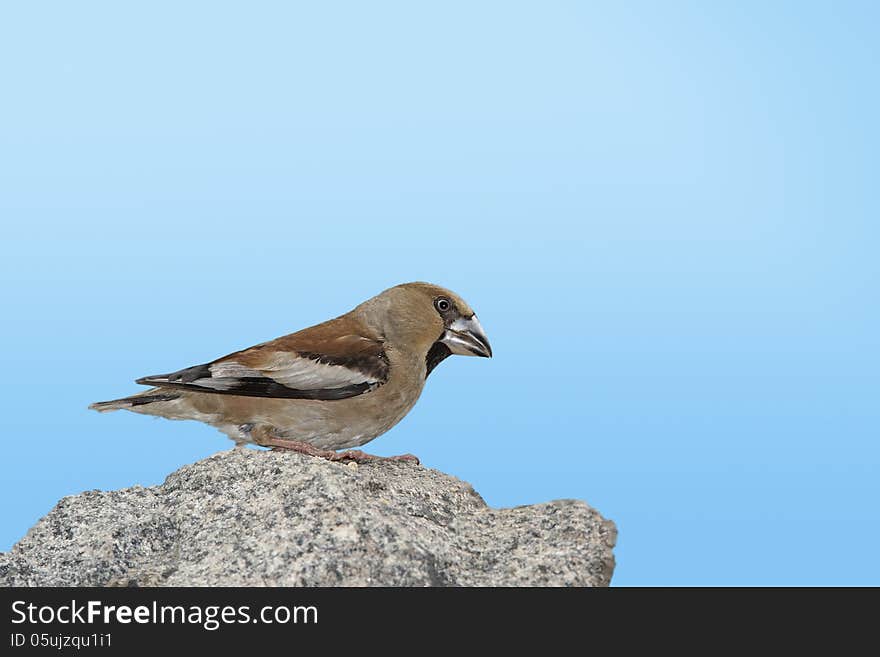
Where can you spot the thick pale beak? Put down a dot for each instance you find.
(466, 338)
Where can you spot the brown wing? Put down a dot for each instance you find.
(333, 360)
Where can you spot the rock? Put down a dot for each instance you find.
(246, 517)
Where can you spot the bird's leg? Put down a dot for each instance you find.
(355, 455)
(298, 446)
(266, 438)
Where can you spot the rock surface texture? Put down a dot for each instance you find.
(247, 517)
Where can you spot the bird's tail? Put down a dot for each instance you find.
(142, 399)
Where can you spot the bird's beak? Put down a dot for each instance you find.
(466, 338)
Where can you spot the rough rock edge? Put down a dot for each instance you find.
(246, 517)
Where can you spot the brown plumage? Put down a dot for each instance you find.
(334, 385)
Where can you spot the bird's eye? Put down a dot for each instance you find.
(442, 304)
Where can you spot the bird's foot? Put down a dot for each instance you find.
(352, 455)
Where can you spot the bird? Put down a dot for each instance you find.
(333, 386)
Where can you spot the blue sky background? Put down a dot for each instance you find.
(665, 215)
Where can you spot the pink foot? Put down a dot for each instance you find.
(355, 455)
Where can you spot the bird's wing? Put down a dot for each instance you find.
(330, 361)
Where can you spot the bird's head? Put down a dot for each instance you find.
(429, 319)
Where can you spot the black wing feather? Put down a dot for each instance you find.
(249, 386)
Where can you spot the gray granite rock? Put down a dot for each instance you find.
(246, 517)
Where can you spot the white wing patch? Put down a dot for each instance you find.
(290, 370)
(232, 370)
(279, 374)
